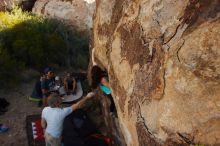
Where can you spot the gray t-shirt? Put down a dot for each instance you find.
(54, 118)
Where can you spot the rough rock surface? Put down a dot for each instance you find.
(2, 6)
(24, 4)
(5, 4)
(76, 13)
(163, 61)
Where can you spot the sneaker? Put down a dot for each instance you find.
(35, 99)
(3, 128)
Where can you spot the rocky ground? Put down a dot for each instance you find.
(19, 108)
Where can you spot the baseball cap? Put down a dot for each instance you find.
(48, 69)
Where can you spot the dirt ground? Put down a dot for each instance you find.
(19, 108)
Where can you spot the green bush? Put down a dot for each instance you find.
(29, 41)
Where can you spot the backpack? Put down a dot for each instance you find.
(98, 140)
(79, 130)
(76, 127)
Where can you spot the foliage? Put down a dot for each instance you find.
(29, 41)
(9, 68)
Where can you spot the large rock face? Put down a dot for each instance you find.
(76, 13)
(24, 4)
(2, 6)
(163, 60)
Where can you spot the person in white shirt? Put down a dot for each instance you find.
(53, 117)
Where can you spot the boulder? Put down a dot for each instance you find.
(75, 13)
(26, 5)
(163, 62)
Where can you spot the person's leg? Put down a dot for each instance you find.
(74, 86)
(65, 85)
(57, 142)
(112, 105)
(45, 101)
(51, 141)
(47, 143)
(47, 139)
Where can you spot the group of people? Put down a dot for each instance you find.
(53, 115)
(53, 88)
(62, 86)
(49, 83)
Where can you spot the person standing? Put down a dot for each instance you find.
(53, 117)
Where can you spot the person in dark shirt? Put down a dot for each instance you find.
(47, 85)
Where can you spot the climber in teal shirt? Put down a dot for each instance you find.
(100, 79)
(105, 89)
